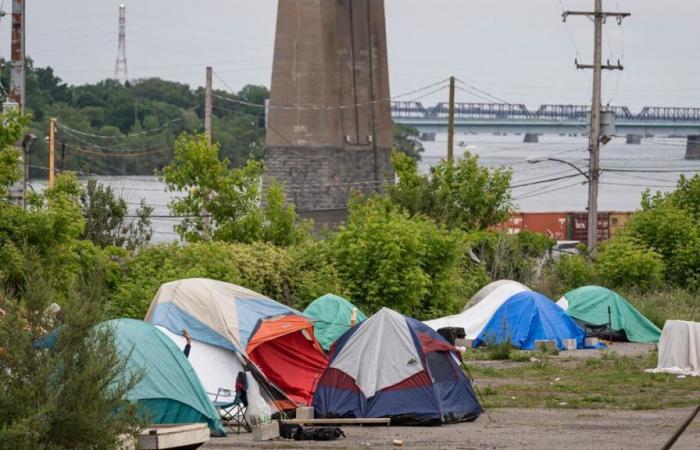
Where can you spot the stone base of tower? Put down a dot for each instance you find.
(320, 180)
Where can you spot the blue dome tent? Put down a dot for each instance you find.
(528, 317)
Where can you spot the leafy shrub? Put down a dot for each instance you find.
(566, 273)
(516, 257)
(287, 275)
(385, 257)
(626, 262)
(461, 194)
(224, 203)
(71, 394)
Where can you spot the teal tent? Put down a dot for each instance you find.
(589, 305)
(169, 391)
(331, 315)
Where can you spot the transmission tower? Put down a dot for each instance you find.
(120, 72)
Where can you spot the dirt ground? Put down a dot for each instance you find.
(513, 428)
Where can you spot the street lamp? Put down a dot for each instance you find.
(591, 199)
(575, 167)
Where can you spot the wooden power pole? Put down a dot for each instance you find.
(599, 18)
(208, 106)
(451, 123)
(206, 219)
(52, 150)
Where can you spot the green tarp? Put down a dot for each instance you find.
(331, 315)
(170, 391)
(590, 305)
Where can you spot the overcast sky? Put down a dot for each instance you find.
(518, 50)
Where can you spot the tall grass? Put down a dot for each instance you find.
(672, 304)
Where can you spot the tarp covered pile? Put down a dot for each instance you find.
(486, 303)
(528, 317)
(606, 315)
(679, 349)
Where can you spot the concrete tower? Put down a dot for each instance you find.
(329, 120)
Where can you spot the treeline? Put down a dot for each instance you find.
(110, 128)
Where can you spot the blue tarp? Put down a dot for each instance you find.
(527, 317)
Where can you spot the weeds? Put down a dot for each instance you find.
(606, 381)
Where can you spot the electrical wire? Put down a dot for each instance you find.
(102, 136)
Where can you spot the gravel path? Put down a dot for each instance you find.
(514, 428)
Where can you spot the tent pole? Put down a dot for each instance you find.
(476, 388)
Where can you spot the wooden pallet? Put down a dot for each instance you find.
(373, 421)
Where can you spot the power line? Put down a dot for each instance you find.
(103, 136)
(545, 181)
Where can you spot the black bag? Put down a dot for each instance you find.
(289, 430)
(319, 434)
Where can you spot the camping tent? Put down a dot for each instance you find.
(217, 368)
(169, 391)
(394, 366)
(589, 305)
(475, 318)
(506, 287)
(332, 316)
(527, 317)
(679, 349)
(278, 339)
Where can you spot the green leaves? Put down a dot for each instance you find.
(627, 262)
(385, 257)
(460, 195)
(227, 204)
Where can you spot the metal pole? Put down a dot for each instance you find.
(208, 106)
(26, 143)
(451, 123)
(594, 142)
(52, 145)
(17, 54)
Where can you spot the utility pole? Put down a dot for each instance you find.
(17, 54)
(451, 124)
(206, 219)
(52, 150)
(208, 106)
(599, 18)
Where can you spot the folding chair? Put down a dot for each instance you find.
(232, 406)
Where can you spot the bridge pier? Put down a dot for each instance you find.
(634, 139)
(531, 138)
(692, 149)
(427, 137)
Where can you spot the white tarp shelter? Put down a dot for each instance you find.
(491, 287)
(474, 319)
(679, 348)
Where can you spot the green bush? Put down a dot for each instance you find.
(627, 262)
(518, 257)
(461, 194)
(288, 275)
(566, 273)
(385, 257)
(70, 394)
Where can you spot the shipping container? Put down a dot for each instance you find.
(618, 221)
(580, 226)
(566, 225)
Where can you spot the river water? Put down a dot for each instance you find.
(619, 191)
